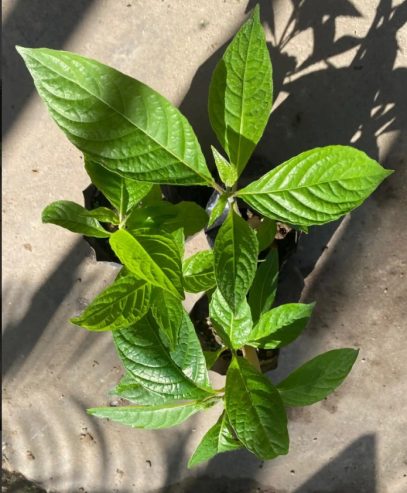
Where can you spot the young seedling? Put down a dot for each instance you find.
(133, 140)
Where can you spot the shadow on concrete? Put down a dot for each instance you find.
(50, 25)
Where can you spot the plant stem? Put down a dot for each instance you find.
(218, 188)
(251, 355)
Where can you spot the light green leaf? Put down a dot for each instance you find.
(120, 305)
(227, 172)
(220, 438)
(235, 259)
(255, 411)
(73, 217)
(198, 272)
(122, 193)
(152, 417)
(154, 258)
(168, 217)
(317, 378)
(266, 233)
(129, 389)
(315, 187)
(280, 326)
(168, 313)
(117, 121)
(241, 92)
(104, 215)
(218, 209)
(233, 327)
(152, 365)
(263, 291)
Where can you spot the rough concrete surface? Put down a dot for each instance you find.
(340, 76)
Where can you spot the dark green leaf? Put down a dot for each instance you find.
(233, 327)
(280, 326)
(154, 258)
(235, 259)
(263, 291)
(73, 217)
(255, 411)
(120, 305)
(117, 121)
(315, 187)
(317, 378)
(241, 92)
(198, 272)
(266, 233)
(220, 438)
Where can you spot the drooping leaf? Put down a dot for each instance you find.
(227, 172)
(117, 121)
(154, 258)
(218, 209)
(151, 364)
(241, 92)
(317, 378)
(281, 325)
(74, 217)
(315, 187)
(130, 389)
(152, 417)
(266, 233)
(119, 306)
(263, 291)
(168, 217)
(235, 259)
(122, 193)
(168, 313)
(220, 438)
(233, 327)
(199, 274)
(255, 410)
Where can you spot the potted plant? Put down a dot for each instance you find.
(133, 141)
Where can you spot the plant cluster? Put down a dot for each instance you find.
(133, 141)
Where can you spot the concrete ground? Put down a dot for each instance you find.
(340, 76)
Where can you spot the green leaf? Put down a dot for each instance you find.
(212, 356)
(122, 193)
(168, 217)
(152, 417)
(255, 411)
(151, 364)
(129, 389)
(241, 92)
(154, 258)
(315, 187)
(198, 272)
(227, 172)
(233, 327)
(73, 217)
(266, 233)
(120, 305)
(104, 215)
(218, 209)
(317, 378)
(117, 121)
(263, 291)
(280, 326)
(220, 438)
(168, 313)
(154, 195)
(235, 259)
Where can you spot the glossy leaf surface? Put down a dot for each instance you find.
(281, 325)
(120, 305)
(168, 313)
(235, 259)
(315, 187)
(317, 378)
(227, 172)
(115, 120)
(73, 217)
(130, 389)
(241, 91)
(198, 271)
(255, 410)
